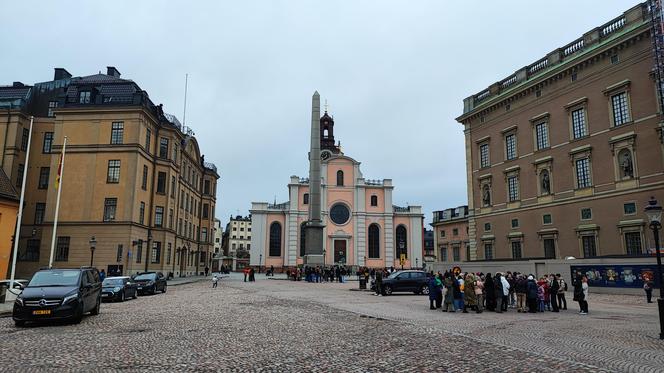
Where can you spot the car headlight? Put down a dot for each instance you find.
(19, 300)
(70, 297)
(150, 283)
(116, 289)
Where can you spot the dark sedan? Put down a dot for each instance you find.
(150, 282)
(415, 281)
(118, 288)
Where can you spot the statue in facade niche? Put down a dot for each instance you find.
(486, 195)
(546, 183)
(626, 164)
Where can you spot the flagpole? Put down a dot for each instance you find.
(20, 206)
(61, 170)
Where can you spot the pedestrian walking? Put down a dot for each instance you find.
(215, 279)
(433, 292)
(448, 305)
(207, 270)
(469, 298)
(506, 292)
(246, 273)
(581, 293)
(521, 288)
(489, 293)
(479, 293)
(379, 283)
(647, 287)
(102, 275)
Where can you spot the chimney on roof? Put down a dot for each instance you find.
(61, 73)
(18, 84)
(112, 71)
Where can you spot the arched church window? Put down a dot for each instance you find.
(402, 242)
(374, 201)
(340, 178)
(302, 238)
(275, 239)
(325, 133)
(305, 199)
(374, 241)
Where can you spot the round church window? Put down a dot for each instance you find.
(339, 214)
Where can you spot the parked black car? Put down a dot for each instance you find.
(150, 282)
(55, 294)
(118, 288)
(415, 281)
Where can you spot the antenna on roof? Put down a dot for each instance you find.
(184, 114)
(326, 105)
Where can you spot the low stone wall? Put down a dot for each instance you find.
(541, 267)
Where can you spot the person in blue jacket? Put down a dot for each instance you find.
(434, 289)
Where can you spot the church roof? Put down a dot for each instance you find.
(7, 190)
(326, 117)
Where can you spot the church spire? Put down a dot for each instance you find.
(327, 132)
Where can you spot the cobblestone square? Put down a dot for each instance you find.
(284, 326)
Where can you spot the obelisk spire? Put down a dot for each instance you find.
(314, 161)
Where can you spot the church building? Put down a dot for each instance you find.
(362, 226)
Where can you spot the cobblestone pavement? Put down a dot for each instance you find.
(283, 326)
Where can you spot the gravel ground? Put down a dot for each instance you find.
(281, 326)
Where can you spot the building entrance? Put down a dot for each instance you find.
(340, 251)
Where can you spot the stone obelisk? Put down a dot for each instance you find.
(313, 250)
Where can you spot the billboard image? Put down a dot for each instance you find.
(617, 276)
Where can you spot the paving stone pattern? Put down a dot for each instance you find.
(281, 326)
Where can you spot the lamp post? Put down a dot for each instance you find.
(260, 262)
(416, 261)
(93, 245)
(147, 249)
(323, 258)
(654, 213)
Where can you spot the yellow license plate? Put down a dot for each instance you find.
(41, 312)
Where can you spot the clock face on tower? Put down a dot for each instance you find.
(325, 154)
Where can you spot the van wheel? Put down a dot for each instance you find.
(424, 290)
(163, 290)
(122, 296)
(135, 294)
(78, 316)
(387, 289)
(95, 311)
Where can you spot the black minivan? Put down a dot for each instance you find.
(55, 294)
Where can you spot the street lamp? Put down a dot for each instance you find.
(416, 265)
(147, 249)
(260, 262)
(93, 245)
(323, 258)
(654, 213)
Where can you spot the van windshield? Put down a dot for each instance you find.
(55, 277)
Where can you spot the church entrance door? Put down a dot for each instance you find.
(340, 251)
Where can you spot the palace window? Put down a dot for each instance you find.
(510, 146)
(48, 142)
(158, 216)
(402, 241)
(62, 250)
(117, 132)
(31, 252)
(40, 209)
(484, 155)
(144, 181)
(620, 109)
(155, 255)
(118, 254)
(141, 213)
(579, 129)
(161, 182)
(163, 147)
(629, 208)
(589, 245)
(374, 201)
(542, 135)
(443, 254)
(113, 173)
(84, 97)
(582, 173)
(374, 241)
(456, 255)
(43, 177)
(305, 199)
(549, 248)
(516, 249)
(110, 206)
(633, 243)
(488, 251)
(148, 139)
(513, 188)
(51, 105)
(275, 239)
(139, 251)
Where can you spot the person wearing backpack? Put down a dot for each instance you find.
(562, 288)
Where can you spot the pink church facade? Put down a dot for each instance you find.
(362, 226)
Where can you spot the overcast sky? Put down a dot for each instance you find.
(394, 74)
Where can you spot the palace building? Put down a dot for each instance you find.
(563, 155)
(362, 225)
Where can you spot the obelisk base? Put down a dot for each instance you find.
(313, 251)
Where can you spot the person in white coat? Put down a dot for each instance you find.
(506, 292)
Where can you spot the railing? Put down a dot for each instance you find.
(210, 166)
(637, 14)
(613, 25)
(373, 182)
(304, 180)
(400, 209)
(279, 206)
(508, 82)
(573, 47)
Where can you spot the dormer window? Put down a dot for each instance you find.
(84, 97)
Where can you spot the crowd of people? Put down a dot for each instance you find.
(461, 292)
(319, 274)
